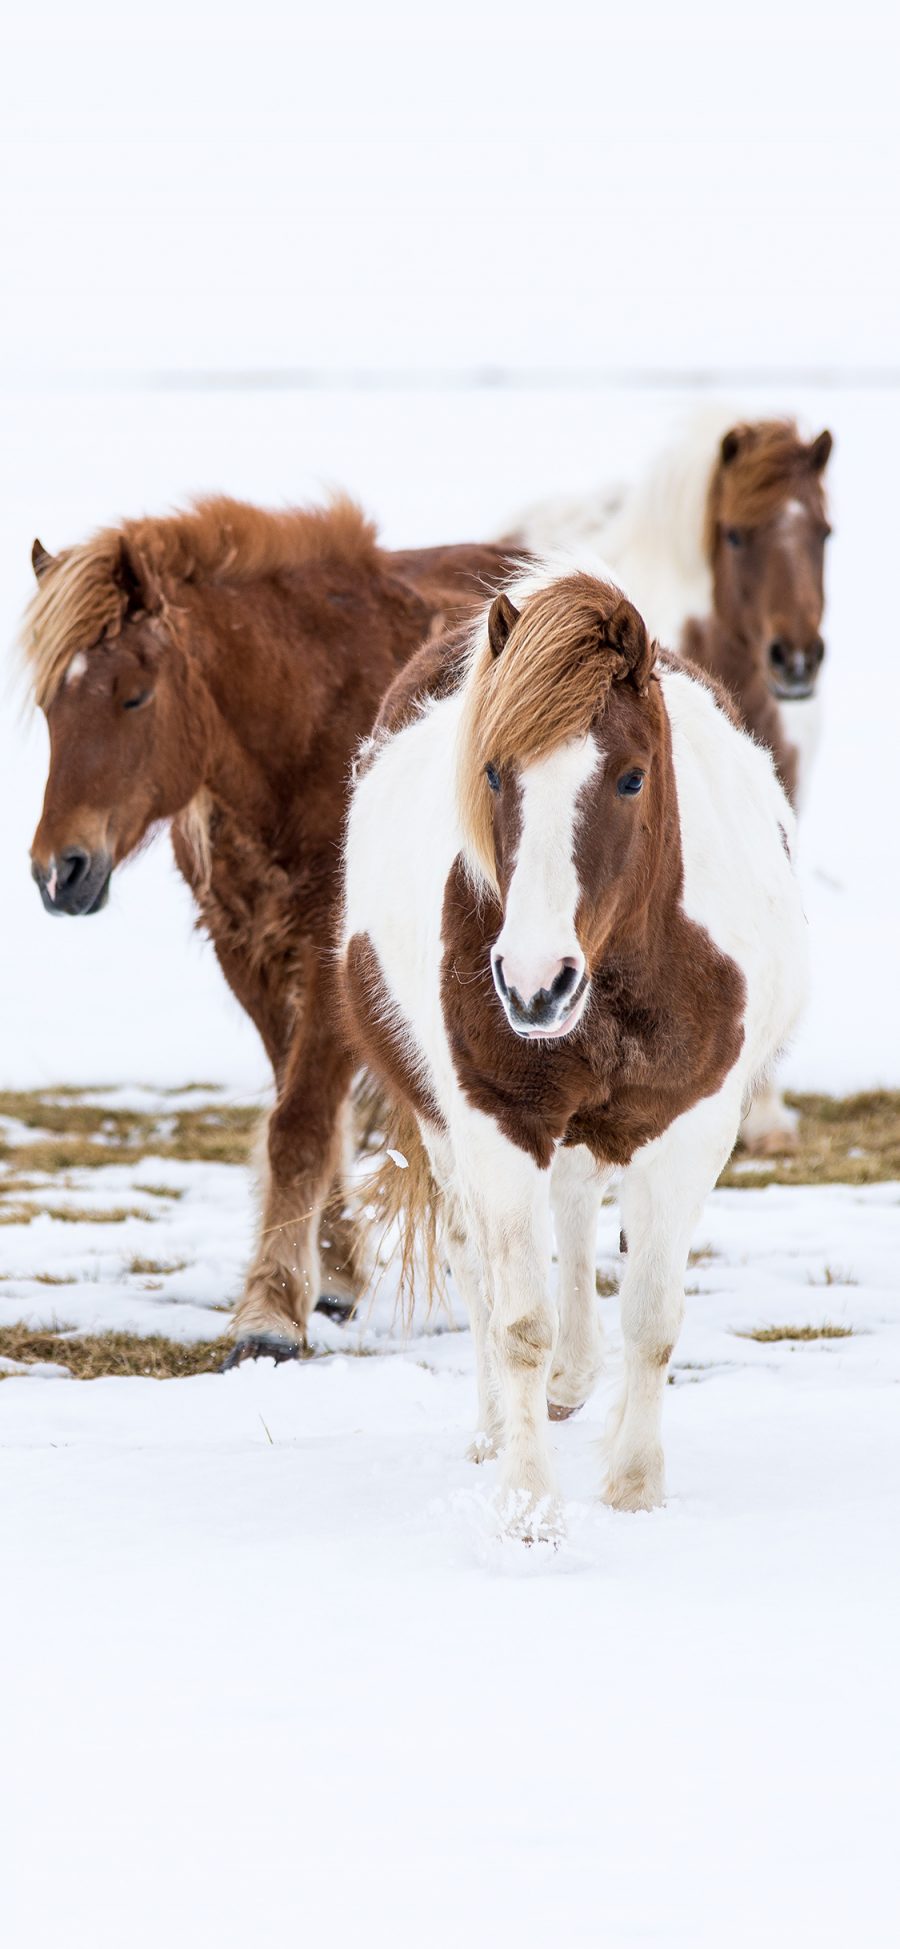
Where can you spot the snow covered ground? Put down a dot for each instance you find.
(266, 1672)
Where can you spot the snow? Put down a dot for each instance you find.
(269, 1668)
(272, 1668)
(268, 1672)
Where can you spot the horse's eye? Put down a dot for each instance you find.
(734, 537)
(630, 784)
(493, 777)
(134, 703)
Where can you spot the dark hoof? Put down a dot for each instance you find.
(261, 1346)
(558, 1413)
(341, 1310)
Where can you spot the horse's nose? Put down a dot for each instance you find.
(73, 882)
(537, 994)
(793, 668)
(72, 870)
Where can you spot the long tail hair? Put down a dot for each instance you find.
(402, 1208)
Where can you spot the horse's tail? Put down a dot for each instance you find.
(402, 1203)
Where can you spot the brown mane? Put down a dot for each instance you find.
(86, 592)
(552, 680)
(769, 463)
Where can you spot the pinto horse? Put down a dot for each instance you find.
(217, 668)
(572, 942)
(722, 544)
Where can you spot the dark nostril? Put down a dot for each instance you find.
(74, 866)
(566, 981)
(500, 976)
(778, 653)
(816, 651)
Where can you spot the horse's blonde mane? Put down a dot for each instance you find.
(551, 681)
(85, 592)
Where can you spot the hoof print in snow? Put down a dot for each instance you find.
(261, 1346)
(339, 1310)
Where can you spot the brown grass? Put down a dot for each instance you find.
(90, 1356)
(765, 1334)
(103, 1215)
(843, 1140)
(74, 1135)
(155, 1268)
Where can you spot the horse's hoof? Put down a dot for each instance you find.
(557, 1412)
(623, 1242)
(340, 1310)
(261, 1346)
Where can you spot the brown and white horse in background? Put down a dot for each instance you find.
(217, 669)
(722, 545)
(572, 942)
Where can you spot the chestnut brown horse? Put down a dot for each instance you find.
(722, 544)
(217, 668)
(765, 534)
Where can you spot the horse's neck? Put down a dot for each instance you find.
(735, 664)
(265, 705)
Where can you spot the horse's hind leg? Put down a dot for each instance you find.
(468, 1275)
(662, 1195)
(576, 1192)
(770, 1128)
(304, 1156)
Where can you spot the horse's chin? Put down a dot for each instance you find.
(560, 1029)
(792, 693)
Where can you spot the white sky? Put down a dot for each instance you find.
(555, 186)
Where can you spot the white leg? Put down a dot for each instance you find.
(662, 1196)
(770, 1128)
(576, 1192)
(507, 1198)
(468, 1276)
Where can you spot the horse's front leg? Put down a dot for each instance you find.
(304, 1154)
(508, 1200)
(662, 1195)
(576, 1189)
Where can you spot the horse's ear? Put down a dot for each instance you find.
(626, 632)
(502, 620)
(731, 445)
(820, 452)
(129, 578)
(40, 560)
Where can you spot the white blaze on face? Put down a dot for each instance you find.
(77, 668)
(538, 931)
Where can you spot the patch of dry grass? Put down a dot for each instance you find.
(155, 1268)
(842, 1140)
(607, 1287)
(93, 1355)
(765, 1334)
(101, 1215)
(78, 1135)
